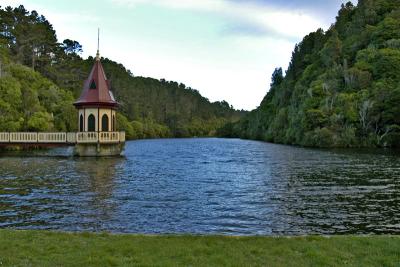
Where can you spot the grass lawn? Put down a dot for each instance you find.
(42, 248)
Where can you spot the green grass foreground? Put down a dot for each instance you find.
(42, 248)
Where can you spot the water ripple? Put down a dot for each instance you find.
(204, 186)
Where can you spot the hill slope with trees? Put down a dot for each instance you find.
(342, 87)
(40, 78)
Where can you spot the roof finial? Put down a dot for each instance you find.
(98, 45)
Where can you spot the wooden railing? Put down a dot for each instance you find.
(62, 138)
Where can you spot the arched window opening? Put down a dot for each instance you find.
(104, 123)
(81, 123)
(93, 85)
(91, 123)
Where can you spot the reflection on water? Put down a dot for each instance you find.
(204, 186)
(56, 192)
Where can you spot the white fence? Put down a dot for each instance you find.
(4, 137)
(87, 137)
(62, 138)
(110, 137)
(52, 137)
(23, 137)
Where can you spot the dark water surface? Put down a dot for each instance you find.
(204, 186)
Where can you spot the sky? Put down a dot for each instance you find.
(226, 49)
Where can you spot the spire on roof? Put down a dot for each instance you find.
(98, 45)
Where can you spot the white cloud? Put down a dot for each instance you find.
(286, 23)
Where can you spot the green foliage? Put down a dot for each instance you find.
(40, 121)
(277, 77)
(332, 51)
(139, 130)
(11, 118)
(123, 123)
(30, 102)
(342, 87)
(314, 118)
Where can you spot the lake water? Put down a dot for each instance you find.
(204, 186)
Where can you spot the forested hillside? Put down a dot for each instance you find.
(29, 102)
(342, 87)
(41, 78)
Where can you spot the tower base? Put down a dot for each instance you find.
(99, 150)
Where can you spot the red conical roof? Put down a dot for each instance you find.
(96, 90)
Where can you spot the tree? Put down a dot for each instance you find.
(277, 77)
(72, 47)
(332, 51)
(364, 112)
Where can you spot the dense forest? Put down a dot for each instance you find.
(342, 86)
(40, 78)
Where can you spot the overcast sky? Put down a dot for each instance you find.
(226, 49)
